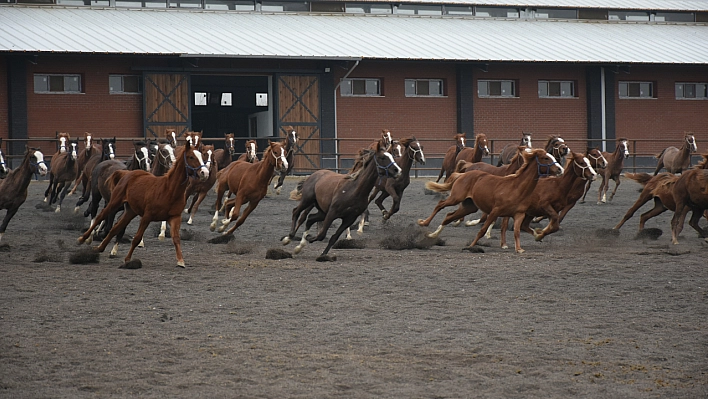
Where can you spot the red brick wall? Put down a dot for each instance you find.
(4, 104)
(662, 117)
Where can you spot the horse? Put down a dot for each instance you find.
(101, 185)
(385, 141)
(89, 149)
(224, 156)
(677, 160)
(690, 193)
(556, 146)
(195, 139)
(198, 190)
(63, 170)
(615, 164)
(337, 196)
(13, 188)
(249, 182)
(221, 188)
(162, 161)
(510, 150)
(475, 153)
(251, 154)
(448, 164)
(497, 196)
(171, 136)
(152, 198)
(107, 152)
(659, 188)
(4, 170)
(289, 143)
(598, 162)
(63, 140)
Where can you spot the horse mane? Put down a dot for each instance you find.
(703, 164)
(551, 139)
(362, 159)
(407, 141)
(14, 174)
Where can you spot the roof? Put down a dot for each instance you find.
(346, 36)
(656, 5)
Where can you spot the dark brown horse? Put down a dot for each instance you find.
(171, 136)
(448, 164)
(195, 139)
(677, 160)
(198, 190)
(61, 174)
(556, 146)
(13, 188)
(63, 142)
(251, 154)
(497, 196)
(153, 198)
(337, 196)
(289, 144)
(474, 154)
(510, 150)
(4, 169)
(107, 152)
(249, 183)
(90, 148)
(226, 155)
(690, 193)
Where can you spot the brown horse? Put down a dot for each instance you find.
(251, 154)
(249, 182)
(510, 150)
(4, 169)
(63, 140)
(659, 188)
(448, 164)
(498, 196)
(89, 149)
(107, 152)
(598, 162)
(221, 188)
(152, 198)
(690, 193)
(224, 156)
(162, 160)
(289, 144)
(474, 154)
(198, 190)
(385, 141)
(556, 146)
(337, 196)
(13, 188)
(677, 160)
(614, 163)
(171, 136)
(61, 174)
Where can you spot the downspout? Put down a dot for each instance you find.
(603, 110)
(336, 135)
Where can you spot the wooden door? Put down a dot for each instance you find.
(166, 103)
(299, 106)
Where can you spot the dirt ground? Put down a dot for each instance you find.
(582, 314)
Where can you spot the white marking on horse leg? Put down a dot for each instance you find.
(277, 191)
(302, 243)
(456, 223)
(362, 223)
(2, 234)
(114, 250)
(437, 232)
(141, 244)
(285, 240)
(46, 199)
(349, 234)
(189, 222)
(186, 210)
(604, 198)
(163, 229)
(472, 222)
(489, 232)
(76, 209)
(58, 209)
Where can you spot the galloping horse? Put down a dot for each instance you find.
(497, 196)
(337, 196)
(289, 144)
(162, 161)
(63, 142)
(510, 150)
(13, 188)
(107, 152)
(62, 171)
(249, 182)
(448, 164)
(615, 164)
(677, 160)
(89, 149)
(251, 154)
(4, 170)
(556, 146)
(659, 188)
(474, 154)
(224, 156)
(152, 198)
(198, 190)
(385, 141)
(691, 194)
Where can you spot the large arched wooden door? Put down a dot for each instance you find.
(166, 103)
(299, 106)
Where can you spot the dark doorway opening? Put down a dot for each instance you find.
(224, 104)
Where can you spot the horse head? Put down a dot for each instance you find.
(208, 154)
(546, 163)
(171, 135)
(37, 161)
(385, 164)
(480, 142)
(581, 166)
(142, 155)
(194, 139)
(165, 154)
(526, 140)
(460, 139)
(623, 147)
(109, 148)
(88, 142)
(396, 149)
(194, 162)
(691, 142)
(278, 152)
(386, 138)
(557, 147)
(251, 151)
(415, 150)
(4, 170)
(229, 143)
(291, 136)
(63, 142)
(73, 150)
(598, 160)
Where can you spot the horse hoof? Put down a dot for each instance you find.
(57, 210)
(297, 249)
(80, 240)
(77, 209)
(221, 229)
(472, 223)
(456, 223)
(285, 240)
(505, 246)
(181, 264)
(520, 251)
(186, 210)
(212, 226)
(189, 222)
(581, 201)
(421, 222)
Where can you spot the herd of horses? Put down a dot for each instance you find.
(528, 184)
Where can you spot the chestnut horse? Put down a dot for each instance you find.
(337, 196)
(448, 163)
(195, 139)
(153, 198)
(13, 188)
(107, 152)
(615, 164)
(690, 193)
(224, 156)
(475, 153)
(659, 188)
(62, 171)
(498, 196)
(162, 161)
(63, 142)
(89, 149)
(249, 182)
(251, 154)
(171, 136)
(289, 144)
(556, 146)
(4, 170)
(510, 150)
(198, 190)
(677, 160)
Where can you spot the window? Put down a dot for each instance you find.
(365, 8)
(556, 88)
(125, 84)
(360, 87)
(615, 15)
(57, 83)
(200, 99)
(236, 5)
(424, 88)
(542, 13)
(498, 12)
(496, 88)
(673, 16)
(636, 89)
(417, 9)
(458, 10)
(691, 91)
(284, 6)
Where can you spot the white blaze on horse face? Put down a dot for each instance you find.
(625, 148)
(88, 141)
(231, 143)
(282, 156)
(40, 163)
(146, 157)
(592, 171)
(203, 170)
(462, 140)
(692, 143)
(389, 140)
(422, 156)
(111, 151)
(208, 162)
(171, 151)
(555, 162)
(3, 167)
(62, 145)
(73, 152)
(252, 151)
(293, 136)
(390, 157)
(174, 137)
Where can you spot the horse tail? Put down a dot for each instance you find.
(443, 187)
(641, 178)
(296, 194)
(661, 154)
(115, 177)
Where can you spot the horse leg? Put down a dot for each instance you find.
(617, 183)
(444, 203)
(442, 172)
(311, 219)
(346, 222)
(48, 191)
(466, 207)
(601, 192)
(677, 221)
(144, 222)
(298, 219)
(644, 197)
(585, 190)
(395, 198)
(128, 215)
(693, 222)
(76, 183)
(659, 166)
(279, 183)
(64, 188)
(491, 218)
(658, 209)
(251, 206)
(504, 228)
(10, 213)
(196, 201)
(518, 219)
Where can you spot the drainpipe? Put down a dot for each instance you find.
(336, 135)
(603, 110)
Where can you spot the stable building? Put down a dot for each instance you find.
(339, 71)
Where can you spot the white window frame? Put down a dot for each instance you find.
(680, 90)
(413, 87)
(121, 89)
(566, 89)
(483, 88)
(623, 93)
(46, 87)
(346, 88)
